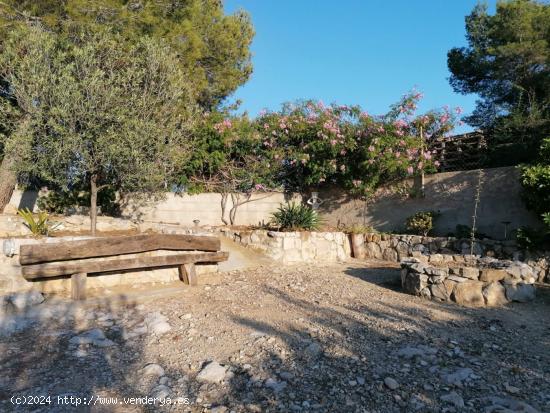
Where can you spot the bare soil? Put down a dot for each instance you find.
(333, 338)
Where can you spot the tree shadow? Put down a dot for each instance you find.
(43, 353)
(335, 357)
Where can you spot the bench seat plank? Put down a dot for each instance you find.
(54, 269)
(108, 246)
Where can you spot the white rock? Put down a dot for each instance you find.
(152, 369)
(213, 372)
(503, 405)
(422, 351)
(95, 337)
(157, 323)
(453, 398)
(390, 383)
(313, 351)
(160, 392)
(458, 376)
(275, 385)
(27, 299)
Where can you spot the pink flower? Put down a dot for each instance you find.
(371, 148)
(333, 142)
(458, 110)
(410, 170)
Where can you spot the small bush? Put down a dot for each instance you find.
(421, 223)
(531, 239)
(358, 229)
(39, 226)
(293, 217)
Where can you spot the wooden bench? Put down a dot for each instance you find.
(102, 255)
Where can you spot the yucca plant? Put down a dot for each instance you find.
(296, 217)
(39, 226)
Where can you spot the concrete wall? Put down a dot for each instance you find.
(183, 209)
(452, 194)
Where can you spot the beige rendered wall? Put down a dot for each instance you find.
(452, 194)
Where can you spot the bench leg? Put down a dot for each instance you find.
(78, 286)
(188, 274)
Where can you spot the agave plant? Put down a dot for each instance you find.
(41, 225)
(296, 217)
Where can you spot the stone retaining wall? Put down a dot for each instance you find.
(295, 247)
(398, 247)
(468, 281)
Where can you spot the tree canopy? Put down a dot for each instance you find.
(507, 63)
(213, 48)
(93, 109)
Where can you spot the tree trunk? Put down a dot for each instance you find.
(93, 204)
(224, 206)
(8, 180)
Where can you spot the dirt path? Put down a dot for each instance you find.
(338, 338)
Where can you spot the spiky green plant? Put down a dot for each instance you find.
(41, 225)
(296, 217)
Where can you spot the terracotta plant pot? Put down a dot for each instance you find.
(358, 245)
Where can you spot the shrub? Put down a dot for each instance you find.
(61, 202)
(39, 226)
(358, 229)
(296, 217)
(531, 239)
(421, 223)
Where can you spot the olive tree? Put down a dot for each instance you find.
(93, 108)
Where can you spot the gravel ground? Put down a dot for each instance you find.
(336, 338)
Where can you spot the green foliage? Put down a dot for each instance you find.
(421, 223)
(62, 202)
(308, 144)
(532, 239)
(536, 181)
(357, 229)
(506, 64)
(95, 111)
(40, 225)
(212, 49)
(293, 217)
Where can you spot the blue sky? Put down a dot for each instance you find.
(366, 52)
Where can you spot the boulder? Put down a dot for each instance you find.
(390, 254)
(495, 294)
(414, 283)
(469, 293)
(372, 250)
(439, 272)
(469, 272)
(490, 274)
(440, 291)
(520, 292)
(213, 372)
(22, 301)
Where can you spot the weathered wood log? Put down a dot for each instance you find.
(90, 266)
(78, 286)
(188, 274)
(358, 246)
(107, 246)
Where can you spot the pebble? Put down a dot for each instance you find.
(390, 383)
(212, 372)
(152, 369)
